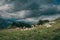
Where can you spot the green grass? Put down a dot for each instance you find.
(41, 33)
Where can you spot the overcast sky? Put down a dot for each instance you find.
(30, 10)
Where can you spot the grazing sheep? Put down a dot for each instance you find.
(36, 25)
(47, 25)
(17, 28)
(32, 26)
(26, 29)
(52, 22)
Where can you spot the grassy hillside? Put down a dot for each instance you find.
(38, 33)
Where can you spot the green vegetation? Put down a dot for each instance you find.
(19, 24)
(41, 22)
(22, 24)
(40, 33)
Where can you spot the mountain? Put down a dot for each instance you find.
(4, 23)
(28, 10)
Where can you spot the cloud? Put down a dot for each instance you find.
(30, 9)
(58, 7)
(20, 14)
(4, 7)
(2, 2)
(51, 17)
(30, 19)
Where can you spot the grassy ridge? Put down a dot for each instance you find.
(40, 33)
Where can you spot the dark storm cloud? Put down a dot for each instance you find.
(28, 4)
(29, 9)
